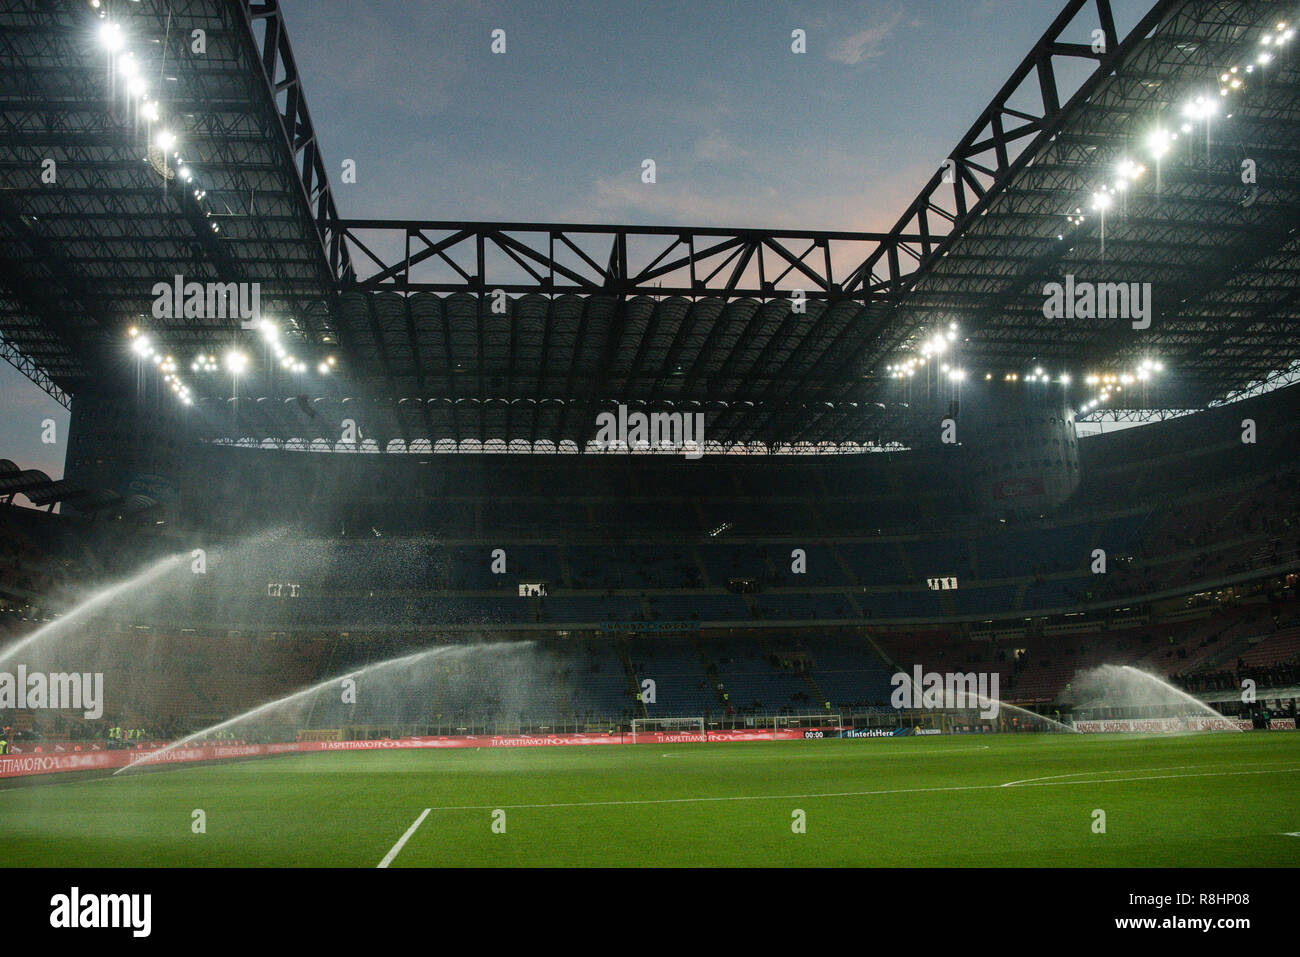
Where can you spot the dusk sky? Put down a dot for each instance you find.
(743, 131)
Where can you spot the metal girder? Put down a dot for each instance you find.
(33, 371)
(958, 192)
(280, 72)
(51, 291)
(553, 258)
(1132, 416)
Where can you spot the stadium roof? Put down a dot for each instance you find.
(80, 254)
(659, 317)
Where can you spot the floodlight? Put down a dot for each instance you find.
(110, 35)
(1158, 143)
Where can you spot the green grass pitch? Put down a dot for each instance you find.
(998, 800)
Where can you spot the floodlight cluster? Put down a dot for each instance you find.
(1108, 384)
(1201, 108)
(126, 66)
(1038, 375)
(270, 332)
(234, 360)
(931, 347)
(144, 347)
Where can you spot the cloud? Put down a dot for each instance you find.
(793, 196)
(715, 147)
(865, 44)
(666, 203)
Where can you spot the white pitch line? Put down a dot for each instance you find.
(401, 841)
(1176, 767)
(839, 794)
(1075, 774)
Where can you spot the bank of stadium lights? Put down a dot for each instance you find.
(1200, 108)
(173, 381)
(938, 344)
(289, 362)
(114, 40)
(143, 347)
(236, 361)
(902, 370)
(1108, 384)
(1036, 375)
(1203, 107)
(932, 347)
(129, 69)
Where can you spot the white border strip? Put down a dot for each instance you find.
(401, 841)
